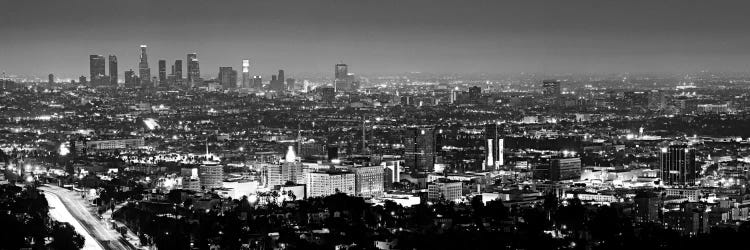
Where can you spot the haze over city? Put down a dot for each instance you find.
(41, 37)
(374, 124)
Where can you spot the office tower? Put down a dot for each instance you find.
(280, 174)
(144, 71)
(493, 148)
(419, 149)
(162, 72)
(281, 76)
(130, 79)
(330, 182)
(565, 169)
(257, 82)
(113, 70)
(551, 88)
(211, 176)
(82, 80)
(227, 77)
(246, 73)
(276, 84)
(51, 79)
(678, 165)
(647, 205)
(290, 84)
(177, 70)
(96, 66)
(193, 69)
(368, 181)
(341, 78)
(444, 189)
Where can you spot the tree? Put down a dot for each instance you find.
(65, 237)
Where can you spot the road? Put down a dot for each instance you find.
(58, 212)
(100, 230)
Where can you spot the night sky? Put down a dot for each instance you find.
(380, 36)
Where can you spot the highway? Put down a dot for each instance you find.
(95, 228)
(58, 212)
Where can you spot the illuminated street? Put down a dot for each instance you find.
(60, 213)
(95, 228)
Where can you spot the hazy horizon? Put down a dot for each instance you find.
(385, 36)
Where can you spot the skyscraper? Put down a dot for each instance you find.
(193, 69)
(281, 76)
(257, 82)
(419, 149)
(246, 73)
(678, 165)
(113, 70)
(51, 79)
(96, 66)
(143, 70)
(227, 77)
(276, 84)
(493, 148)
(162, 72)
(177, 70)
(341, 77)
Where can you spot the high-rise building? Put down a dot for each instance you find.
(246, 73)
(211, 176)
(51, 79)
(281, 76)
(280, 174)
(678, 165)
(551, 88)
(193, 69)
(647, 205)
(341, 78)
(565, 169)
(130, 79)
(257, 82)
(444, 189)
(96, 65)
(276, 84)
(493, 148)
(227, 77)
(177, 70)
(419, 151)
(329, 183)
(144, 72)
(113, 70)
(162, 72)
(368, 181)
(82, 80)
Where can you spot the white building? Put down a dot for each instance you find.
(330, 182)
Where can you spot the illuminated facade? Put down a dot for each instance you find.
(246, 73)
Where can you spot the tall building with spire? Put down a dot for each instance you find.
(143, 70)
(113, 70)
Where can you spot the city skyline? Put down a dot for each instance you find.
(383, 36)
